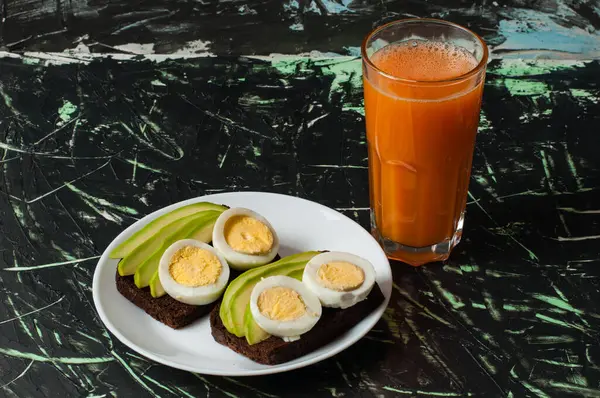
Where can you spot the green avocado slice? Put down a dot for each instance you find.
(254, 334)
(152, 228)
(202, 232)
(237, 295)
(130, 263)
(204, 221)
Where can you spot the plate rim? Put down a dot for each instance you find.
(280, 368)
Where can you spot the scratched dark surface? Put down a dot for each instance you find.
(89, 145)
(557, 28)
(89, 148)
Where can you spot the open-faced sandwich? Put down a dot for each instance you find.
(281, 311)
(170, 270)
(209, 258)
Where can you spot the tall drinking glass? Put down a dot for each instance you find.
(423, 83)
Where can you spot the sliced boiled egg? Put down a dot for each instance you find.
(284, 307)
(339, 279)
(193, 272)
(245, 238)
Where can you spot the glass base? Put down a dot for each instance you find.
(417, 256)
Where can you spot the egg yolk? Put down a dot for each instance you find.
(341, 276)
(281, 304)
(248, 235)
(192, 266)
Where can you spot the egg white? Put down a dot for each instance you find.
(242, 261)
(332, 298)
(200, 295)
(288, 330)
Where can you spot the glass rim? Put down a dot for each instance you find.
(481, 65)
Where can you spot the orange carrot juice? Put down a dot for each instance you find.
(420, 137)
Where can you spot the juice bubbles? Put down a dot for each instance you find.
(421, 116)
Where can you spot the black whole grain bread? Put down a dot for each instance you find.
(164, 309)
(273, 351)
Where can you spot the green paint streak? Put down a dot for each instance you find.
(557, 303)
(345, 71)
(66, 360)
(256, 151)
(550, 339)
(547, 171)
(486, 362)
(389, 316)
(169, 76)
(358, 109)
(570, 388)
(578, 378)
(132, 373)
(490, 172)
(516, 307)
(491, 306)
(454, 301)
(63, 252)
(256, 100)
(20, 318)
(37, 329)
(452, 269)
(156, 383)
(469, 268)
(581, 93)
(50, 265)
(88, 336)
(407, 391)
(334, 392)
(478, 305)
(58, 338)
(488, 337)
(557, 363)
(143, 166)
(573, 169)
(66, 111)
(521, 67)
(8, 101)
(157, 82)
(524, 87)
(102, 202)
(484, 123)
(405, 294)
(134, 168)
(502, 274)
(30, 61)
(559, 322)
(481, 180)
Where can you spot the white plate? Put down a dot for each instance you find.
(301, 225)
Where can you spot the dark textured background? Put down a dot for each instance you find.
(551, 28)
(89, 144)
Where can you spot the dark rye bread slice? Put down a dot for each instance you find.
(273, 351)
(164, 309)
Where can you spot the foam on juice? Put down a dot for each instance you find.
(424, 60)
